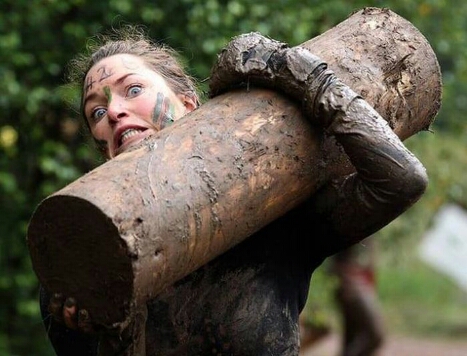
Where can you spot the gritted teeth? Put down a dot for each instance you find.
(127, 134)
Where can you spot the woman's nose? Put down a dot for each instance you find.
(116, 110)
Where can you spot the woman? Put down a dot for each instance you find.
(248, 300)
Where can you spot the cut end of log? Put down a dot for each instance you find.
(96, 271)
(387, 60)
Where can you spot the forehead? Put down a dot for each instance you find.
(117, 62)
(112, 67)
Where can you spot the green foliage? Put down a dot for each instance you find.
(443, 154)
(320, 309)
(42, 147)
(420, 301)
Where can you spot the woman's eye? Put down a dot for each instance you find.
(134, 90)
(98, 114)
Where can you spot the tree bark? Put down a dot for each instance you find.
(116, 237)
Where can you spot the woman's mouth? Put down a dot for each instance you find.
(130, 137)
(127, 135)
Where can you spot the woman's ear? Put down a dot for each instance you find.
(189, 101)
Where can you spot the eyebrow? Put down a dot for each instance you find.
(116, 82)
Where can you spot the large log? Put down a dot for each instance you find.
(119, 235)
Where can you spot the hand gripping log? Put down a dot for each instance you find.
(120, 234)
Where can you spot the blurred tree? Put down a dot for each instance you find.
(42, 145)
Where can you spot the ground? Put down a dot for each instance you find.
(395, 346)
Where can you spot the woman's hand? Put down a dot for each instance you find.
(257, 60)
(253, 59)
(66, 310)
(129, 340)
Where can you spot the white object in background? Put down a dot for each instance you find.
(444, 246)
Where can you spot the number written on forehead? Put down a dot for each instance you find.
(89, 84)
(103, 73)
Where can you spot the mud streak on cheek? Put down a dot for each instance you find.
(170, 116)
(108, 94)
(163, 112)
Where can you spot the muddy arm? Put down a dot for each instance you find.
(388, 178)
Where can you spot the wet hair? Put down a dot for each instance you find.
(133, 40)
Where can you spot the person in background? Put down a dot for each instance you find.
(357, 301)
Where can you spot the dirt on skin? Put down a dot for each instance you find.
(395, 345)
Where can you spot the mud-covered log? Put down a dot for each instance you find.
(116, 237)
(384, 58)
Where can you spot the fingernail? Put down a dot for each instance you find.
(70, 302)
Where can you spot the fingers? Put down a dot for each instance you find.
(252, 59)
(245, 59)
(56, 305)
(66, 311)
(70, 310)
(84, 321)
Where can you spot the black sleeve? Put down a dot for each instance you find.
(388, 177)
(65, 341)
